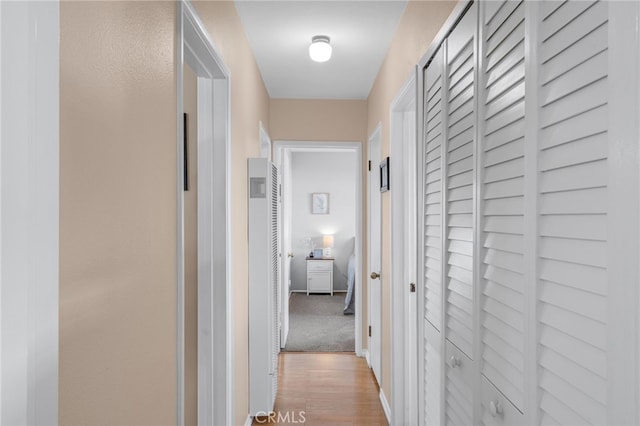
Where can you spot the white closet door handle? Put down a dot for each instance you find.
(455, 362)
(495, 408)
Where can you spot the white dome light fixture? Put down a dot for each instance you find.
(320, 49)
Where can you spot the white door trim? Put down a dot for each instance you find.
(623, 368)
(265, 143)
(29, 211)
(403, 119)
(215, 292)
(279, 146)
(374, 363)
(282, 160)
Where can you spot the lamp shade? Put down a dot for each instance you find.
(320, 49)
(327, 241)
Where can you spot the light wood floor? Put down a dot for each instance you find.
(328, 388)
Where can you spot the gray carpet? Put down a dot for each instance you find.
(317, 324)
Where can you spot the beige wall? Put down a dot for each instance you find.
(318, 120)
(418, 26)
(118, 206)
(327, 120)
(249, 106)
(117, 213)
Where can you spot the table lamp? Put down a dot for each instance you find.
(327, 244)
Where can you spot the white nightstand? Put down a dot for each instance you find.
(319, 275)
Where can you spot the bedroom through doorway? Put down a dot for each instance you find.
(321, 247)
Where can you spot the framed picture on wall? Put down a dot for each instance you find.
(320, 203)
(384, 175)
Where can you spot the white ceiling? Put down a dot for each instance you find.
(280, 32)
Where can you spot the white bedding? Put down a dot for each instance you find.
(349, 300)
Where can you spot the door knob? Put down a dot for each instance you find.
(375, 275)
(495, 408)
(455, 362)
(290, 254)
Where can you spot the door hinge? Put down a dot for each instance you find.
(369, 165)
(412, 287)
(369, 331)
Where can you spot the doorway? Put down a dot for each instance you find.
(205, 382)
(316, 230)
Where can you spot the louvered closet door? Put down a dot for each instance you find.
(502, 127)
(459, 201)
(275, 278)
(433, 137)
(573, 198)
(433, 191)
(459, 159)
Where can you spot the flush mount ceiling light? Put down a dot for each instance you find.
(320, 49)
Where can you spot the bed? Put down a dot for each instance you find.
(349, 300)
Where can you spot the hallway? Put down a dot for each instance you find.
(495, 248)
(325, 388)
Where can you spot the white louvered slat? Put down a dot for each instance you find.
(433, 192)
(460, 124)
(572, 291)
(502, 209)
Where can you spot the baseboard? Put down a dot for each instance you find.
(366, 356)
(249, 421)
(362, 353)
(385, 406)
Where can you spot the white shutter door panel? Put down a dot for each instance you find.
(502, 209)
(459, 157)
(432, 372)
(433, 192)
(459, 394)
(458, 184)
(573, 179)
(275, 279)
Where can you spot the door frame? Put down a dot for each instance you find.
(283, 157)
(280, 146)
(265, 142)
(376, 133)
(404, 386)
(29, 211)
(215, 300)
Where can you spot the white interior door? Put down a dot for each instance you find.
(287, 250)
(432, 243)
(375, 283)
(404, 388)
(410, 264)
